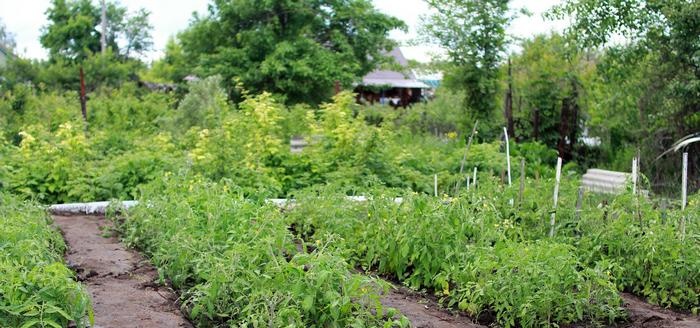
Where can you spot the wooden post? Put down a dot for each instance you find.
(474, 179)
(522, 181)
(505, 131)
(467, 183)
(337, 87)
(464, 158)
(552, 221)
(435, 184)
(684, 192)
(83, 98)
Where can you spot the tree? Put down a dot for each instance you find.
(74, 30)
(172, 67)
(473, 33)
(293, 48)
(661, 43)
(550, 78)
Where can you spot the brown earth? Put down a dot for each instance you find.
(642, 314)
(424, 312)
(123, 285)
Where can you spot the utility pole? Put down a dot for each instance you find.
(103, 38)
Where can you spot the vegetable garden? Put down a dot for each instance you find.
(324, 260)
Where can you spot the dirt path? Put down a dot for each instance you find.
(645, 315)
(121, 282)
(423, 312)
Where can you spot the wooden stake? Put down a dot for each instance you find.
(552, 221)
(474, 179)
(464, 158)
(505, 131)
(467, 183)
(83, 99)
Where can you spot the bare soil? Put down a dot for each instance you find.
(645, 315)
(424, 312)
(123, 285)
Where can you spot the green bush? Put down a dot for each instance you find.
(36, 287)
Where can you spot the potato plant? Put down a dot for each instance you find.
(36, 287)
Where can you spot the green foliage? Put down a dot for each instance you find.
(548, 71)
(654, 261)
(74, 30)
(37, 288)
(172, 67)
(473, 33)
(650, 84)
(290, 48)
(237, 264)
(467, 252)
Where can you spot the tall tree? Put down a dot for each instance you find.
(74, 30)
(474, 34)
(662, 41)
(549, 76)
(292, 48)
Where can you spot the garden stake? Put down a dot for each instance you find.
(466, 150)
(556, 198)
(684, 192)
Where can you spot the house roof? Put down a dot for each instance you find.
(394, 79)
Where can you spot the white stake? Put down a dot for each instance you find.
(474, 179)
(685, 180)
(507, 154)
(634, 176)
(467, 183)
(556, 198)
(435, 183)
(684, 192)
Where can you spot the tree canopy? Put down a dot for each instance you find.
(74, 30)
(473, 33)
(293, 48)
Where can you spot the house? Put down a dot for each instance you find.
(398, 89)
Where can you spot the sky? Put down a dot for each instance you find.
(26, 18)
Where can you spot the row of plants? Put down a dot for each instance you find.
(37, 289)
(488, 251)
(654, 253)
(235, 262)
(464, 250)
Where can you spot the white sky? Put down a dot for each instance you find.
(25, 18)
